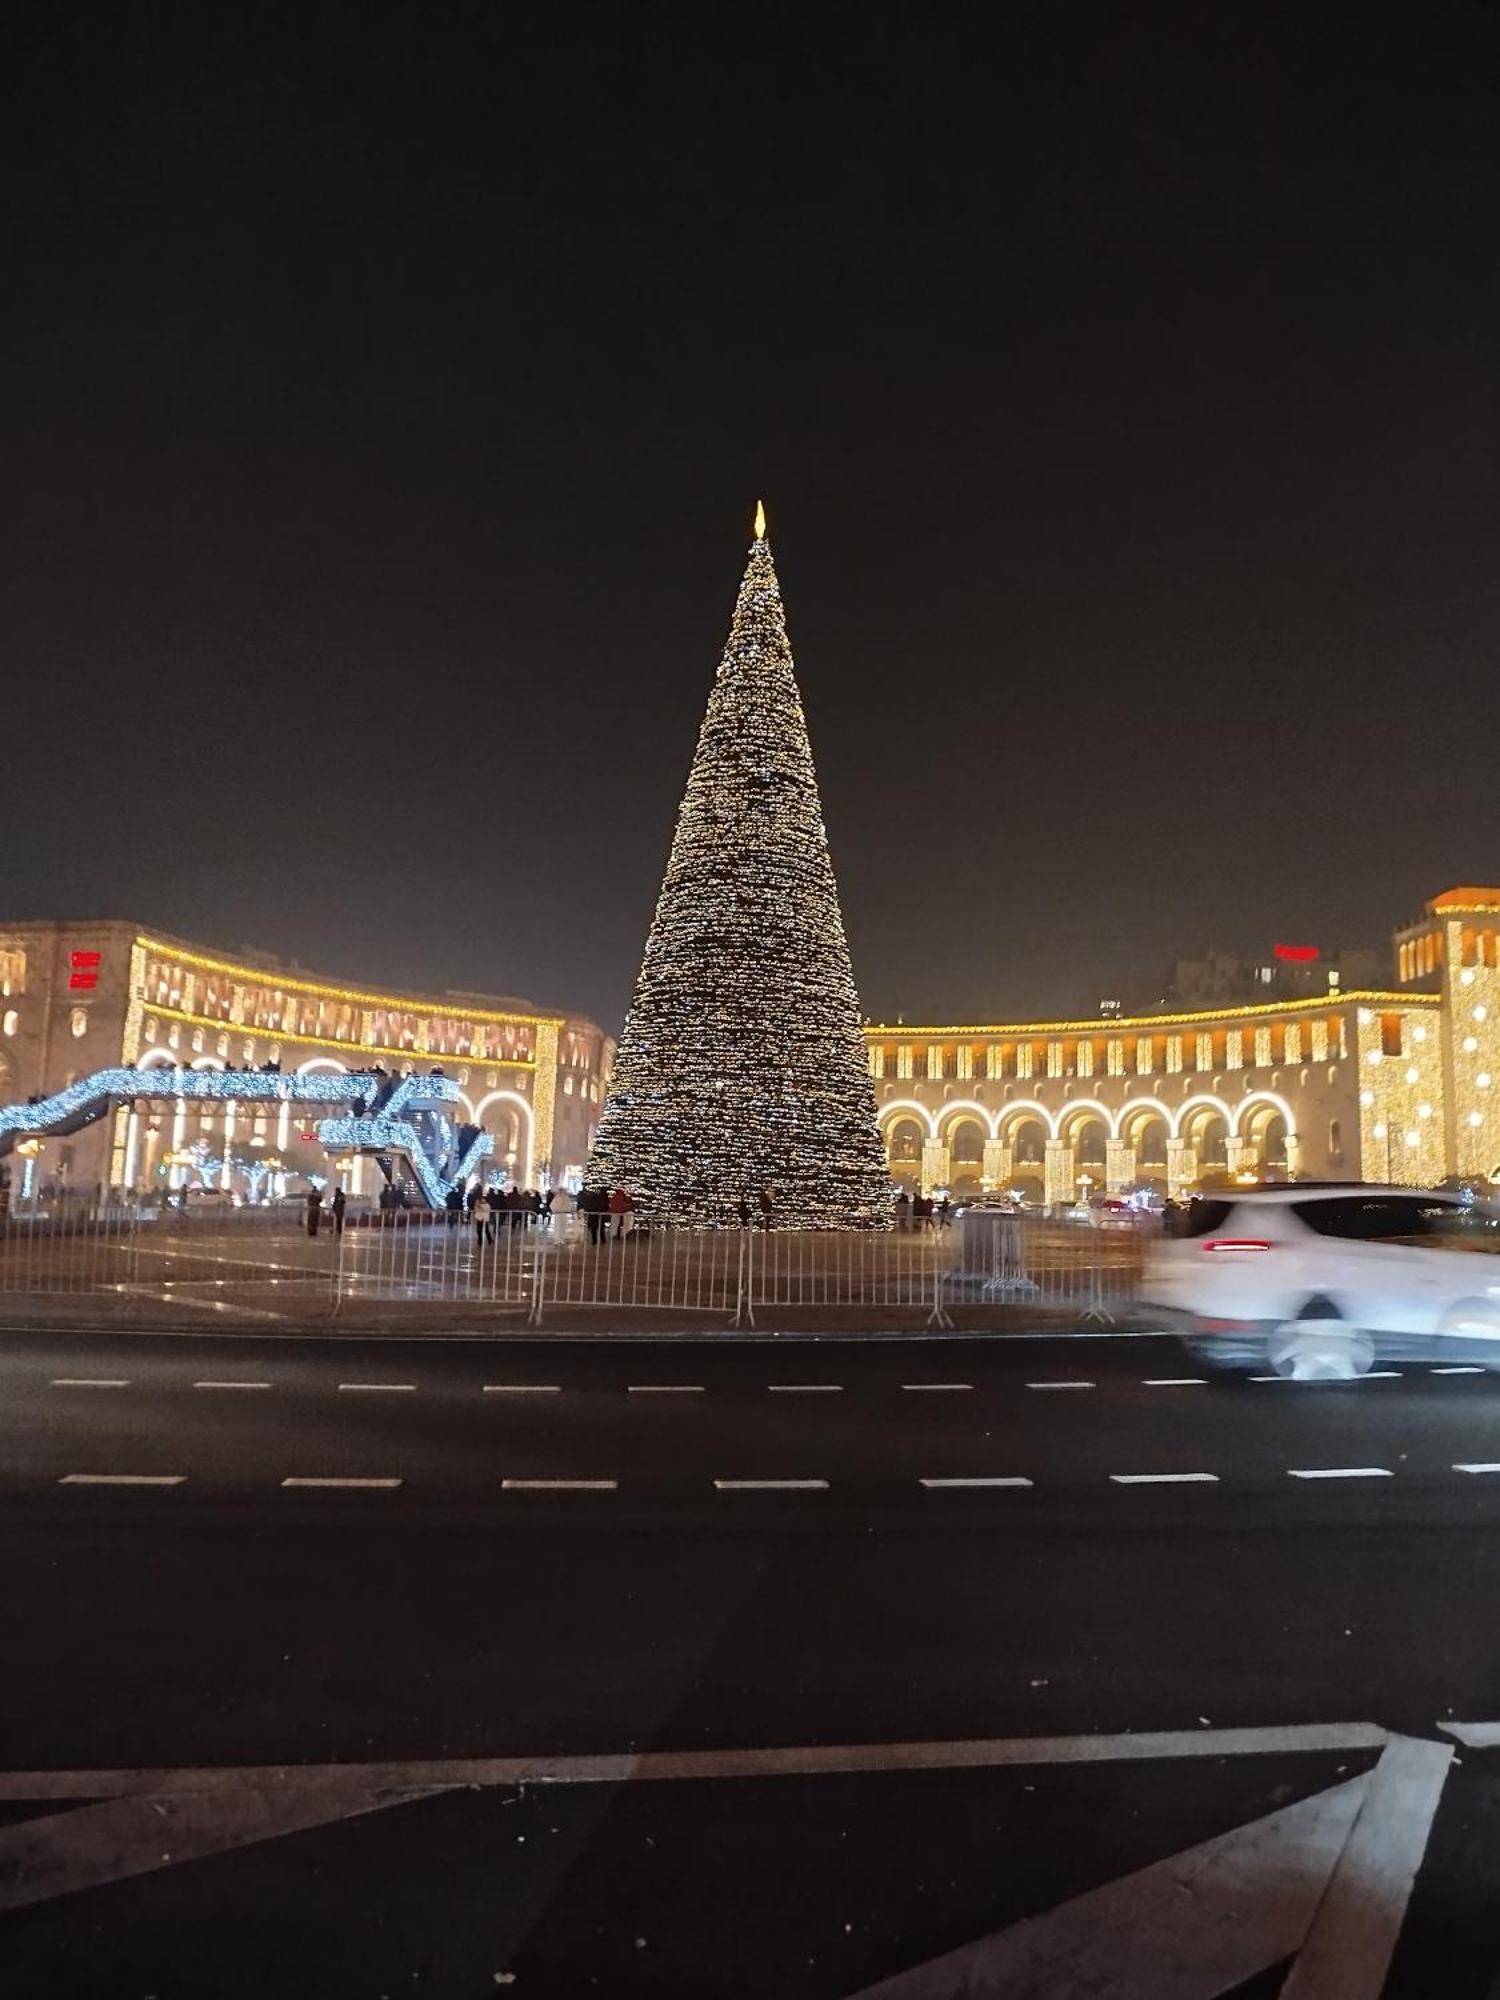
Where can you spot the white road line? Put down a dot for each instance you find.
(771, 1485)
(523, 1388)
(666, 1389)
(231, 1385)
(1468, 1368)
(1373, 1375)
(380, 1388)
(918, 1387)
(1479, 1466)
(1175, 1382)
(89, 1382)
(1164, 1478)
(1060, 1385)
(1380, 1375)
(122, 1479)
(1011, 1481)
(1341, 1472)
(560, 1485)
(806, 1388)
(361, 1483)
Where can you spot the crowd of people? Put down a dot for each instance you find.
(922, 1212)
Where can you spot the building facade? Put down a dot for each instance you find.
(1381, 1085)
(77, 997)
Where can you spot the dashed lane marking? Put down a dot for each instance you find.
(122, 1479)
(1009, 1480)
(523, 1388)
(90, 1382)
(918, 1388)
(666, 1389)
(1175, 1382)
(771, 1485)
(363, 1485)
(1479, 1466)
(560, 1485)
(806, 1388)
(1060, 1385)
(380, 1388)
(1340, 1472)
(1468, 1368)
(231, 1385)
(1164, 1478)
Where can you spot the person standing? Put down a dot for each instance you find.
(340, 1201)
(619, 1209)
(314, 1210)
(494, 1201)
(767, 1205)
(903, 1210)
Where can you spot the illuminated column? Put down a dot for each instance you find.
(1060, 1182)
(176, 1175)
(132, 1140)
(228, 1180)
(1119, 1166)
(1241, 1155)
(543, 1103)
(1293, 1157)
(936, 1165)
(1182, 1167)
(996, 1168)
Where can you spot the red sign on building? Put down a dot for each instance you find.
(83, 971)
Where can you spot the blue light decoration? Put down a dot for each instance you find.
(389, 1115)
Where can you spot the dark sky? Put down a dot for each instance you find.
(386, 392)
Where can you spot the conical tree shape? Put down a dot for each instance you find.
(741, 1068)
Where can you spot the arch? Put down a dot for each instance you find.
(901, 1104)
(1137, 1112)
(321, 1062)
(1276, 1103)
(206, 1062)
(965, 1108)
(1212, 1104)
(1073, 1114)
(157, 1059)
(1023, 1108)
(517, 1105)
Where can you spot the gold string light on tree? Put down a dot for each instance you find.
(741, 1068)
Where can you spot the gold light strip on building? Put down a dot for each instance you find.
(1110, 1024)
(448, 1005)
(245, 1030)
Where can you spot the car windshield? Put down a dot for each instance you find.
(1398, 1218)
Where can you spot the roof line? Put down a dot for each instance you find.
(1108, 1023)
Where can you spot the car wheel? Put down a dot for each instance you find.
(1320, 1350)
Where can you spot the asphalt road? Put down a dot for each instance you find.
(578, 1549)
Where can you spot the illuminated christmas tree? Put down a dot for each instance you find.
(741, 1070)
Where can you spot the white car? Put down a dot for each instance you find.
(1316, 1282)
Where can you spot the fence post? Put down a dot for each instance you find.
(338, 1275)
(938, 1318)
(744, 1303)
(1097, 1310)
(538, 1274)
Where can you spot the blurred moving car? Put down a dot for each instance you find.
(1317, 1283)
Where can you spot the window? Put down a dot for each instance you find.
(1390, 1034)
(1054, 1058)
(1114, 1059)
(12, 1021)
(1023, 1059)
(1263, 1048)
(12, 971)
(934, 1060)
(1143, 1055)
(965, 1060)
(1294, 1043)
(904, 1059)
(877, 1060)
(1335, 1139)
(1234, 1050)
(1400, 1218)
(1174, 1054)
(994, 1060)
(1205, 1056)
(1085, 1059)
(78, 1022)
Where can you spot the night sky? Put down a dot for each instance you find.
(386, 394)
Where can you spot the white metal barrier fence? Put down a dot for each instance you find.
(135, 1257)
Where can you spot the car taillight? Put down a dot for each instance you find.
(1236, 1243)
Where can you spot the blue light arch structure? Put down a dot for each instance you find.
(411, 1117)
